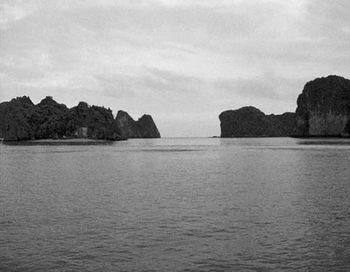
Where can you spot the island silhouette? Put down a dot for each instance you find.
(21, 119)
(323, 110)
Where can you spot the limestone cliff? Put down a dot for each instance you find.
(46, 119)
(21, 120)
(251, 122)
(92, 122)
(142, 128)
(15, 119)
(324, 108)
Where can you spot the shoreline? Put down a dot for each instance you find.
(68, 141)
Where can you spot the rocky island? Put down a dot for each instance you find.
(142, 128)
(21, 119)
(323, 110)
(251, 122)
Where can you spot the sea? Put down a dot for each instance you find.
(176, 204)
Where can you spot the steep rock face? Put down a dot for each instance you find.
(15, 119)
(324, 108)
(284, 124)
(147, 127)
(126, 125)
(251, 122)
(46, 119)
(20, 120)
(142, 128)
(92, 122)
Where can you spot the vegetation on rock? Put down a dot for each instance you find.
(251, 122)
(323, 110)
(20, 120)
(324, 107)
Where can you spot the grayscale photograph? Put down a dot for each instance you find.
(174, 135)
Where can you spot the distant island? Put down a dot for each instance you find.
(323, 110)
(21, 119)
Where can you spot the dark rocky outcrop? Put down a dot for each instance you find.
(15, 119)
(251, 122)
(324, 108)
(92, 122)
(323, 111)
(142, 128)
(46, 119)
(20, 120)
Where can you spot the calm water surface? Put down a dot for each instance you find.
(176, 205)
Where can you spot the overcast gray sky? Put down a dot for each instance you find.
(181, 61)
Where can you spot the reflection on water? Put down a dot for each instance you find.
(324, 141)
(155, 205)
(58, 142)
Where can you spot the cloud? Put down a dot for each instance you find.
(267, 86)
(11, 13)
(175, 59)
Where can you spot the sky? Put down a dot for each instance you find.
(182, 61)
